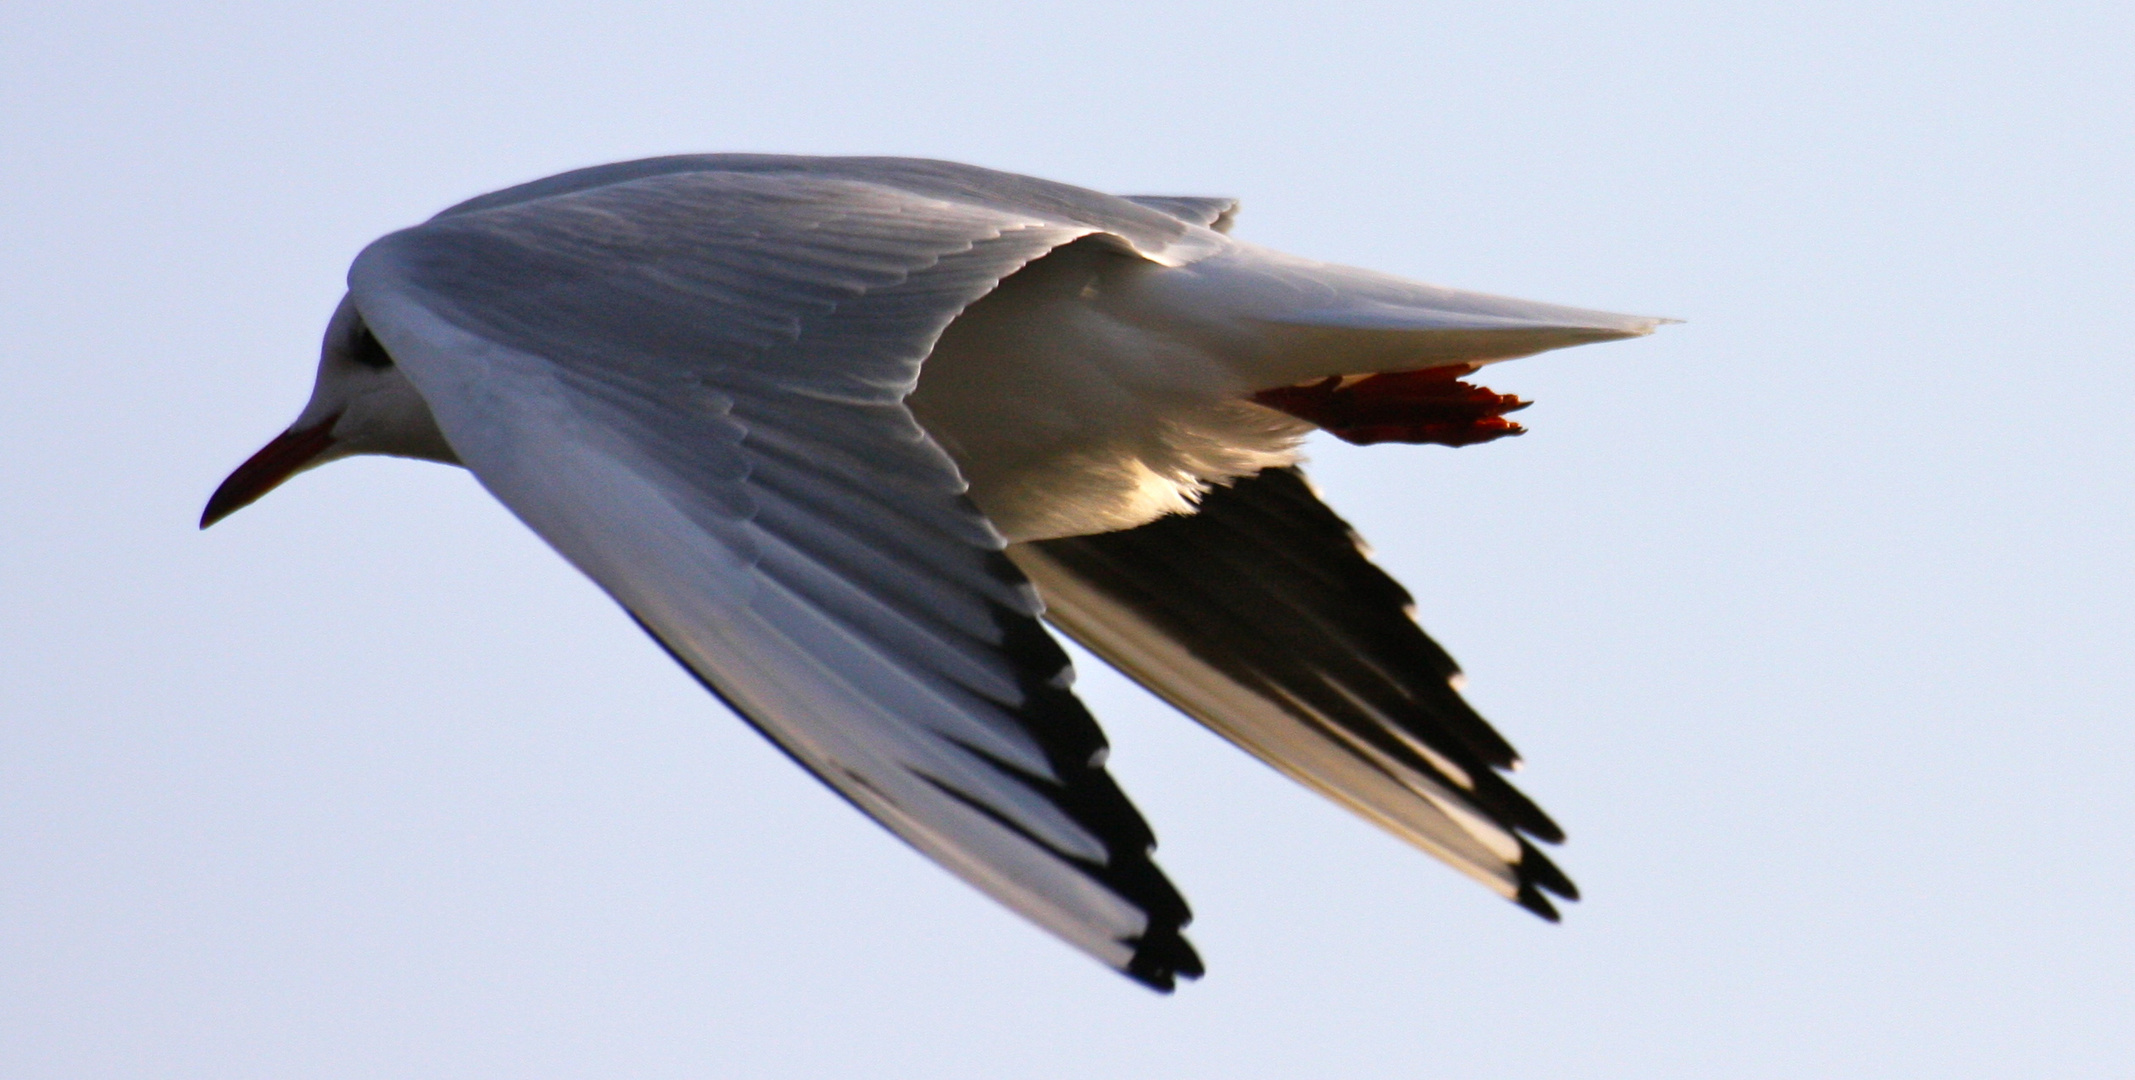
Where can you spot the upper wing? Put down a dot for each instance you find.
(691, 385)
(1260, 617)
(1213, 212)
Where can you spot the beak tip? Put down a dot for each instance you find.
(224, 503)
(290, 453)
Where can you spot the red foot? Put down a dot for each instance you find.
(1429, 406)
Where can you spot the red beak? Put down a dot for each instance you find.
(263, 472)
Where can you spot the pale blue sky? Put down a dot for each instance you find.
(1809, 614)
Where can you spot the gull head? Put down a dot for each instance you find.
(361, 403)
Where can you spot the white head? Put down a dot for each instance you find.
(361, 403)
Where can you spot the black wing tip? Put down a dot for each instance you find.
(1511, 807)
(1538, 875)
(1541, 826)
(1531, 898)
(1536, 867)
(1161, 958)
(1088, 795)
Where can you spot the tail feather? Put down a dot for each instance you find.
(1299, 321)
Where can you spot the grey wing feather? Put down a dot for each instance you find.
(690, 382)
(1158, 227)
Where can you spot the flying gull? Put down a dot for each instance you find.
(839, 432)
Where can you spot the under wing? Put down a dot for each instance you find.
(1261, 617)
(691, 384)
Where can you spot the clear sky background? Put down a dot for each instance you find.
(1810, 615)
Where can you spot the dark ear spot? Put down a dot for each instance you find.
(368, 352)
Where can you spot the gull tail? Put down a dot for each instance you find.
(1368, 356)
(1290, 321)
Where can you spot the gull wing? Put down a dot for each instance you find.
(1261, 617)
(691, 384)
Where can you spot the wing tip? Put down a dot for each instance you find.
(1538, 876)
(1162, 956)
(1532, 899)
(1090, 796)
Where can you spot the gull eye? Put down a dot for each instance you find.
(368, 352)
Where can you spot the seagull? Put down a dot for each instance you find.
(838, 433)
